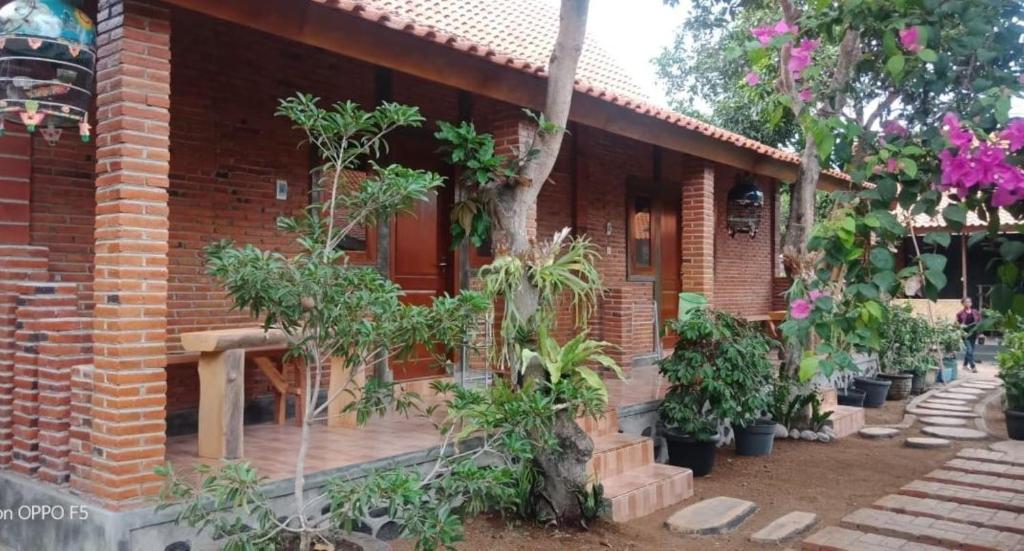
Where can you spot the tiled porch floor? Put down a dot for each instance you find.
(271, 448)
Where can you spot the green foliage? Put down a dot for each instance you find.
(907, 340)
(1011, 369)
(786, 402)
(948, 337)
(718, 372)
(570, 363)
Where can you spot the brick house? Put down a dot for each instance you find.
(100, 264)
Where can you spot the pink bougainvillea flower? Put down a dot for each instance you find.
(955, 132)
(953, 167)
(806, 95)
(988, 160)
(752, 79)
(800, 309)
(892, 165)
(1014, 134)
(1009, 185)
(766, 34)
(894, 128)
(800, 56)
(910, 38)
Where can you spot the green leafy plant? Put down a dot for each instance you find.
(1011, 369)
(718, 372)
(787, 402)
(948, 337)
(818, 417)
(906, 341)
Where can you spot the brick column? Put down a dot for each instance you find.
(698, 235)
(15, 174)
(132, 139)
(511, 129)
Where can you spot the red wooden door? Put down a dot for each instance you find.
(420, 255)
(669, 282)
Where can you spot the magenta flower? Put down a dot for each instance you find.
(799, 309)
(894, 128)
(955, 132)
(910, 39)
(953, 167)
(814, 295)
(892, 165)
(806, 95)
(765, 35)
(1009, 186)
(800, 56)
(1014, 133)
(988, 160)
(752, 79)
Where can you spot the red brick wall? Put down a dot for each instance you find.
(743, 266)
(15, 166)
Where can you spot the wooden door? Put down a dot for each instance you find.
(420, 252)
(669, 282)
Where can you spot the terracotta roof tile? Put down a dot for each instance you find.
(520, 34)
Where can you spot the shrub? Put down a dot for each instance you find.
(719, 372)
(1011, 369)
(948, 337)
(906, 341)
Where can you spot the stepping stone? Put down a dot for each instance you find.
(947, 533)
(944, 421)
(785, 527)
(877, 432)
(956, 433)
(1013, 447)
(948, 402)
(717, 515)
(980, 386)
(967, 495)
(969, 390)
(991, 456)
(957, 396)
(976, 480)
(945, 510)
(926, 412)
(946, 407)
(836, 538)
(982, 467)
(927, 443)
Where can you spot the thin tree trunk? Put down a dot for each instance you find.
(798, 232)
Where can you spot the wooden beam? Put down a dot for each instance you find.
(221, 404)
(227, 339)
(340, 32)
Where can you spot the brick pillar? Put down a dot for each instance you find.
(80, 429)
(15, 173)
(698, 235)
(17, 265)
(130, 291)
(512, 130)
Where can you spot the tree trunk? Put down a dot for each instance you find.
(558, 496)
(798, 232)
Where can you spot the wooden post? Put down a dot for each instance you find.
(336, 416)
(221, 404)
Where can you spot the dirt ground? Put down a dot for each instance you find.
(828, 479)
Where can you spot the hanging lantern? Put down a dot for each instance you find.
(47, 66)
(744, 207)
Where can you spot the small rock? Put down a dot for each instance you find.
(828, 430)
(823, 437)
(781, 431)
(794, 434)
(809, 435)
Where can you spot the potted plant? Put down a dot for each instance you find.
(718, 374)
(904, 354)
(851, 396)
(1011, 371)
(949, 340)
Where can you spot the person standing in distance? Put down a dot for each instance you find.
(968, 318)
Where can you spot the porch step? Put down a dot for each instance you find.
(602, 426)
(982, 517)
(644, 490)
(835, 538)
(618, 453)
(846, 420)
(945, 533)
(982, 497)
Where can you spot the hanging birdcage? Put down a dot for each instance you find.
(47, 66)
(743, 208)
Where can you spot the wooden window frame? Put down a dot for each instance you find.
(634, 272)
(365, 256)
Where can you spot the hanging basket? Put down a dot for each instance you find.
(47, 66)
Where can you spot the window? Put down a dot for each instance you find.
(640, 236)
(361, 241)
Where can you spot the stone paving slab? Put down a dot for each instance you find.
(944, 407)
(956, 433)
(834, 538)
(786, 527)
(992, 456)
(984, 467)
(995, 519)
(717, 515)
(943, 532)
(969, 390)
(982, 497)
(926, 412)
(976, 480)
(947, 401)
(1012, 447)
(956, 395)
(924, 442)
(944, 421)
(878, 432)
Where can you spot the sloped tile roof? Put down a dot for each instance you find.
(519, 34)
(937, 222)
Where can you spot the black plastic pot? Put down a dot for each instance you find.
(755, 439)
(917, 383)
(686, 451)
(900, 387)
(1015, 424)
(875, 390)
(851, 397)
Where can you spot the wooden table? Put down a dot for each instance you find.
(221, 367)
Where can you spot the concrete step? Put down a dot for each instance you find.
(982, 497)
(640, 492)
(984, 467)
(604, 425)
(846, 420)
(835, 538)
(617, 453)
(983, 517)
(976, 480)
(1003, 458)
(942, 532)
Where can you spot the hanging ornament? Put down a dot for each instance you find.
(51, 134)
(2, 129)
(47, 65)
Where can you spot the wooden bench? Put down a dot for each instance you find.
(221, 363)
(770, 320)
